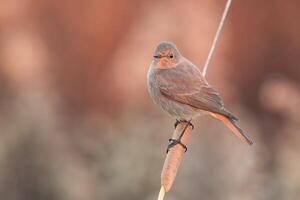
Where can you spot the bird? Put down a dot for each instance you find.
(178, 86)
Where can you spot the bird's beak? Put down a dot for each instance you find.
(157, 56)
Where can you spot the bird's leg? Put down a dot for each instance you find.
(178, 122)
(173, 142)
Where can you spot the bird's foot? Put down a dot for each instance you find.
(173, 142)
(184, 121)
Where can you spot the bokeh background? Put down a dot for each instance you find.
(77, 123)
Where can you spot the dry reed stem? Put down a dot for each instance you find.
(162, 193)
(174, 157)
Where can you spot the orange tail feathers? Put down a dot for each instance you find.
(230, 123)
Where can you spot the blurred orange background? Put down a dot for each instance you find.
(77, 122)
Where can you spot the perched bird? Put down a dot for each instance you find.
(178, 87)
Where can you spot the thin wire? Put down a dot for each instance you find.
(216, 37)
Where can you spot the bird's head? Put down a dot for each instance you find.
(166, 55)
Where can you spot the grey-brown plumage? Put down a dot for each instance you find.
(179, 88)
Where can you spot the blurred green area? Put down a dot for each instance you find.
(77, 123)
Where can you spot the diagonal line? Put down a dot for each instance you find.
(216, 36)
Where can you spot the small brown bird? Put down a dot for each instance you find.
(178, 87)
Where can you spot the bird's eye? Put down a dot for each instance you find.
(171, 56)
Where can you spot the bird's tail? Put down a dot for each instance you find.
(230, 123)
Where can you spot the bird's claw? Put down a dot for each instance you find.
(173, 142)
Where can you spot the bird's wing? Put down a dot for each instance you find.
(185, 84)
